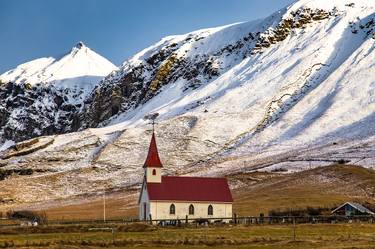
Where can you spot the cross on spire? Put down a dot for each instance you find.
(153, 126)
(152, 117)
(152, 159)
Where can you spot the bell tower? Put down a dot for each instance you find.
(153, 165)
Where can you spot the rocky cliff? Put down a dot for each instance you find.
(46, 95)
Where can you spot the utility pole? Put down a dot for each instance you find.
(104, 205)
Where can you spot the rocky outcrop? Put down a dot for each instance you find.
(298, 19)
(368, 27)
(27, 112)
(45, 95)
(125, 91)
(27, 147)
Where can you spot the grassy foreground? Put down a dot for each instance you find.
(145, 236)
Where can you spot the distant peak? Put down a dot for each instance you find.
(79, 45)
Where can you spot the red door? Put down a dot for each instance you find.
(144, 211)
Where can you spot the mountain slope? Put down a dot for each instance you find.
(290, 92)
(317, 31)
(43, 96)
(289, 80)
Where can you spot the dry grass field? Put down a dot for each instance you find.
(320, 187)
(118, 205)
(257, 193)
(144, 236)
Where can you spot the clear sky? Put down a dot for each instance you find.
(116, 29)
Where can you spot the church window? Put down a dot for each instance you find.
(191, 209)
(210, 210)
(172, 209)
(154, 172)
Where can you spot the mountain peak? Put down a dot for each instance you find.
(81, 64)
(80, 45)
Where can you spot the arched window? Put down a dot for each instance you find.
(210, 210)
(154, 172)
(172, 209)
(191, 209)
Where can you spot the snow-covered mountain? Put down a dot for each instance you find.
(276, 60)
(302, 76)
(43, 96)
(294, 90)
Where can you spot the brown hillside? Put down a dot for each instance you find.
(254, 193)
(319, 187)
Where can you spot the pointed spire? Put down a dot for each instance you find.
(153, 159)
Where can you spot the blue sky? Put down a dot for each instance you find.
(116, 29)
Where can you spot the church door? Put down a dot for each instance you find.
(144, 211)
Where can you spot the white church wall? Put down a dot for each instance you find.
(160, 210)
(144, 199)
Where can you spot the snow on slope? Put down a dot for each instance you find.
(315, 86)
(291, 67)
(193, 59)
(80, 68)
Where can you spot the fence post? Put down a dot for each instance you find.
(150, 219)
(235, 219)
(294, 228)
(186, 220)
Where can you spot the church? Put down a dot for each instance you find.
(178, 197)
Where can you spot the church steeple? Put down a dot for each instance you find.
(153, 160)
(153, 165)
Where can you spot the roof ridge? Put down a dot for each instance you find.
(356, 205)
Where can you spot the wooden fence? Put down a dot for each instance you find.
(235, 220)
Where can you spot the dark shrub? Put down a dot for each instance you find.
(40, 218)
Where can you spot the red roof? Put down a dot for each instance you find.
(153, 159)
(177, 188)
